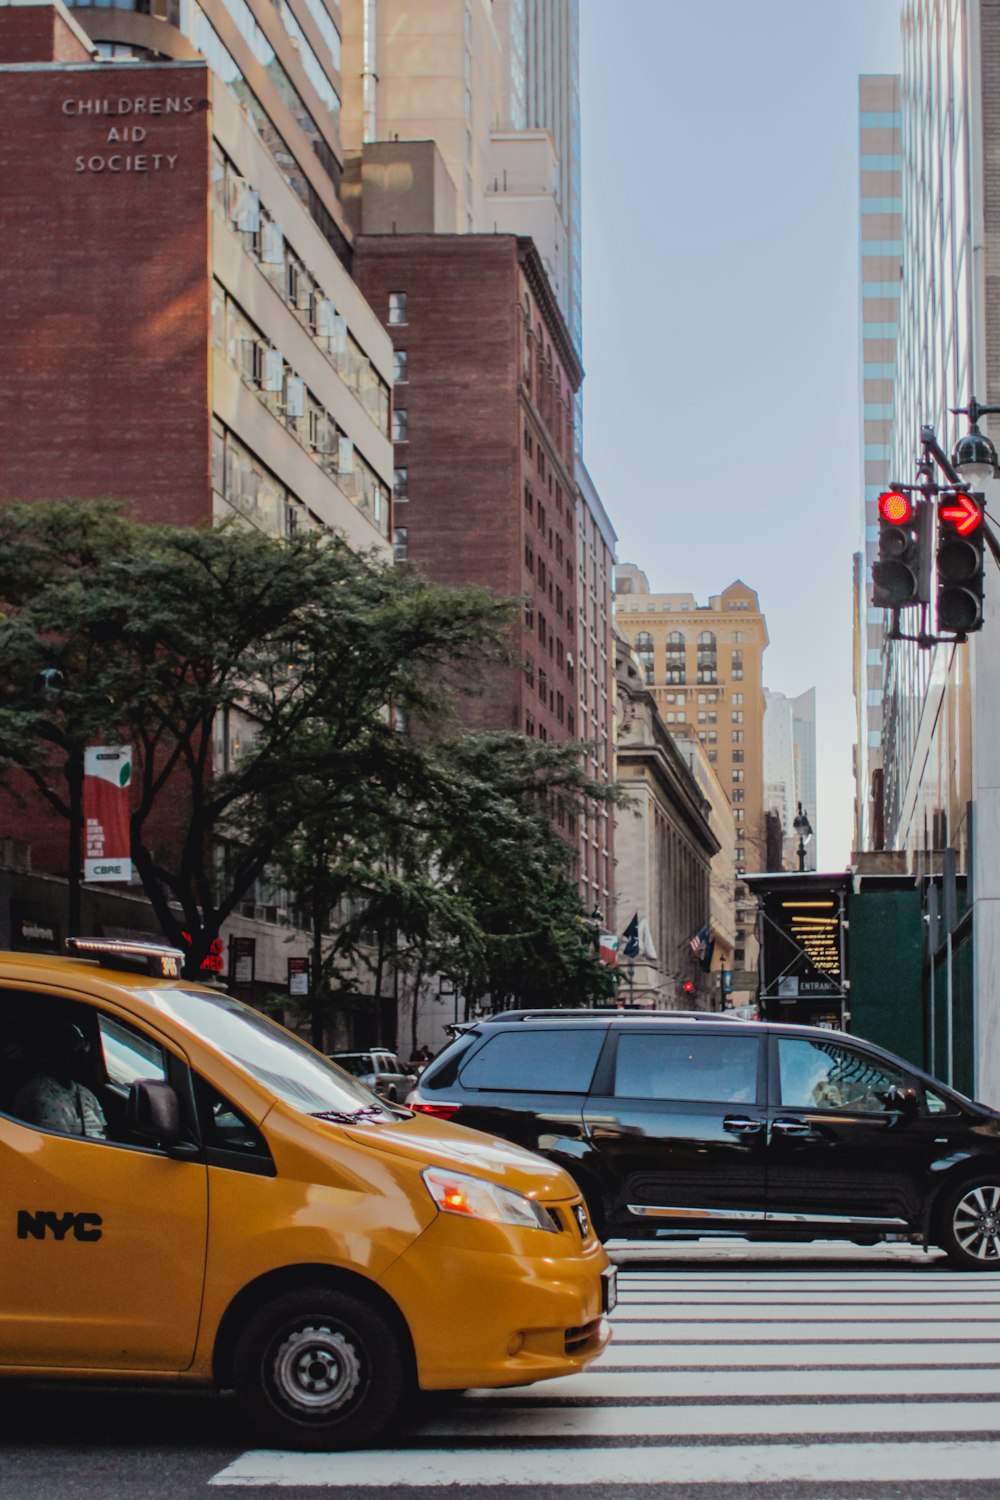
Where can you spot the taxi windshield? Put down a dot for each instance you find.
(276, 1058)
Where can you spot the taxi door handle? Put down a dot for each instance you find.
(742, 1125)
(791, 1127)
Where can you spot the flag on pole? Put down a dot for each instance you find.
(631, 935)
(702, 947)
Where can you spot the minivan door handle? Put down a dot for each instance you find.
(742, 1125)
(791, 1127)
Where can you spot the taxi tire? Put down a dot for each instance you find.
(319, 1369)
(975, 1197)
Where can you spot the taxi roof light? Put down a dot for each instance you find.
(158, 960)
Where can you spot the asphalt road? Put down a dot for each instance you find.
(736, 1373)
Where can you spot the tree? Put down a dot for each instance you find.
(243, 670)
(456, 868)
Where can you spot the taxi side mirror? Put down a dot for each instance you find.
(154, 1111)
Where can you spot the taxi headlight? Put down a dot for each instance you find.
(472, 1198)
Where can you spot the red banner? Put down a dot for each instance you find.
(107, 771)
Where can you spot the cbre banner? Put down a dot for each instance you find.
(107, 772)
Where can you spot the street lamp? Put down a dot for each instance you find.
(50, 687)
(803, 829)
(974, 457)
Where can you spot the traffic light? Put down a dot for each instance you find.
(902, 574)
(960, 563)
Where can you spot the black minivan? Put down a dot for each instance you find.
(702, 1125)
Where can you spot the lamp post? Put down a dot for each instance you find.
(803, 829)
(50, 686)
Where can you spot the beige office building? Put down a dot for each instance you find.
(703, 664)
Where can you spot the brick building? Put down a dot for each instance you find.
(483, 429)
(181, 327)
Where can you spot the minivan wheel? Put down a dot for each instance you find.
(319, 1369)
(970, 1225)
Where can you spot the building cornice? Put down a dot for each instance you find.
(531, 261)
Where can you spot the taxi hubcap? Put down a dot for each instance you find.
(317, 1369)
(977, 1223)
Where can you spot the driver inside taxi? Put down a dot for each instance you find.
(52, 1096)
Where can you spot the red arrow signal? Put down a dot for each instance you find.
(964, 514)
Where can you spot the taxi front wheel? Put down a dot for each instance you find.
(320, 1369)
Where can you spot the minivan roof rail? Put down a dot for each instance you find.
(601, 1013)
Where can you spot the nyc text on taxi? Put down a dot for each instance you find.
(199, 1196)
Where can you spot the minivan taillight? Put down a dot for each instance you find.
(439, 1111)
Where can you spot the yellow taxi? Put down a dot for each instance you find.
(191, 1193)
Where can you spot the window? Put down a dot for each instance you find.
(401, 484)
(67, 1068)
(397, 307)
(737, 666)
(741, 854)
(823, 1075)
(676, 658)
(549, 1062)
(399, 363)
(737, 636)
(708, 657)
(400, 543)
(737, 775)
(644, 651)
(688, 1068)
(400, 424)
(738, 716)
(738, 757)
(737, 698)
(737, 736)
(739, 795)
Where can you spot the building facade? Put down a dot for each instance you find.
(881, 256)
(666, 845)
(940, 803)
(790, 769)
(483, 429)
(595, 558)
(188, 338)
(704, 667)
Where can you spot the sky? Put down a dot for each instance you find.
(720, 305)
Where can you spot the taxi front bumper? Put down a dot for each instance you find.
(489, 1305)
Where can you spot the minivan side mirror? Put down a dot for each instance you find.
(153, 1111)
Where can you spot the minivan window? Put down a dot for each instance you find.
(297, 1074)
(823, 1075)
(536, 1062)
(687, 1068)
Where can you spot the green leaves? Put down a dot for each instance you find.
(260, 683)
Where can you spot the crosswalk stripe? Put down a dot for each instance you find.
(600, 1384)
(711, 1329)
(844, 1298)
(621, 1356)
(907, 1313)
(743, 1420)
(744, 1464)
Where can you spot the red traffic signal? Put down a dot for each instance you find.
(688, 987)
(894, 507)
